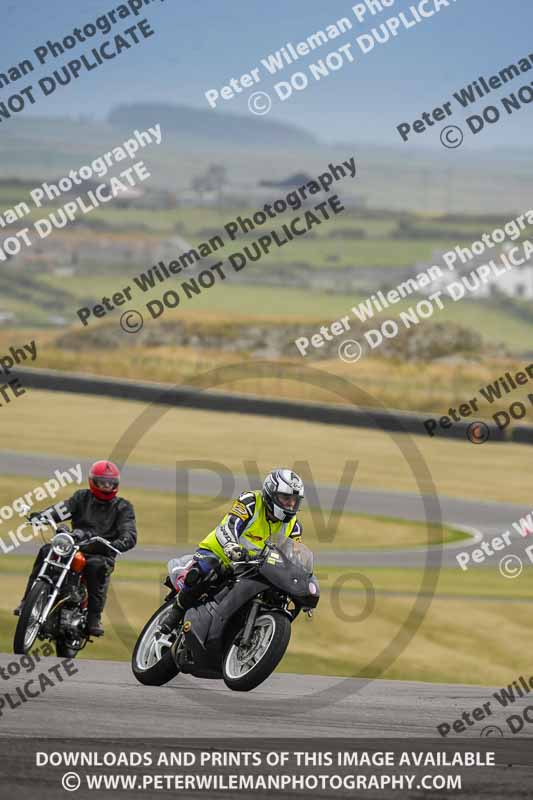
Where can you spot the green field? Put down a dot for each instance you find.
(377, 249)
(469, 615)
(166, 519)
(274, 303)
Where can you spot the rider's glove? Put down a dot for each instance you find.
(63, 528)
(234, 552)
(80, 536)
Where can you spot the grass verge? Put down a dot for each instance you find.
(472, 613)
(92, 428)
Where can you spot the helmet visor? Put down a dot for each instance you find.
(288, 502)
(105, 484)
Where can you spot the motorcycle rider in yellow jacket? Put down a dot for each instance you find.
(254, 518)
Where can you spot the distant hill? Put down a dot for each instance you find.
(220, 129)
(33, 148)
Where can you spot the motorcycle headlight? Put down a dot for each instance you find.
(62, 544)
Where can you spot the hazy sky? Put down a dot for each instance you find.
(202, 45)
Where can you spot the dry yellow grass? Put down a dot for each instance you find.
(459, 640)
(402, 385)
(408, 386)
(167, 519)
(90, 427)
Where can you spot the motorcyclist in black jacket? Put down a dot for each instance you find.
(96, 511)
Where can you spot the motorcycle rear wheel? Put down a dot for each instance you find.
(152, 661)
(245, 668)
(27, 628)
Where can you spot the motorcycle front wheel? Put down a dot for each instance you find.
(64, 651)
(27, 628)
(152, 661)
(244, 668)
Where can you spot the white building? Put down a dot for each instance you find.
(516, 283)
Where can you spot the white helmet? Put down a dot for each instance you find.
(283, 492)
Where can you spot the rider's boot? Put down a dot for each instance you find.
(174, 615)
(94, 624)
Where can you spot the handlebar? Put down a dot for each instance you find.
(103, 541)
(246, 562)
(50, 521)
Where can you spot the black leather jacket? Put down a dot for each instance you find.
(114, 520)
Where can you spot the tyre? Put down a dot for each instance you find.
(27, 628)
(64, 651)
(152, 661)
(245, 668)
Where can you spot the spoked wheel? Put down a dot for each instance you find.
(27, 628)
(244, 668)
(152, 661)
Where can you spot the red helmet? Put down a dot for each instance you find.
(104, 479)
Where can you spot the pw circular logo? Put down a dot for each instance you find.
(260, 103)
(491, 730)
(131, 321)
(452, 137)
(511, 567)
(369, 665)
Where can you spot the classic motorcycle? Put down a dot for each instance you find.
(240, 629)
(56, 605)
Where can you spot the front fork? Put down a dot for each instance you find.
(250, 622)
(60, 581)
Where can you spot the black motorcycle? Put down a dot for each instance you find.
(56, 605)
(238, 631)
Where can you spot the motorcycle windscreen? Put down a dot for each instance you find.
(290, 578)
(295, 552)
